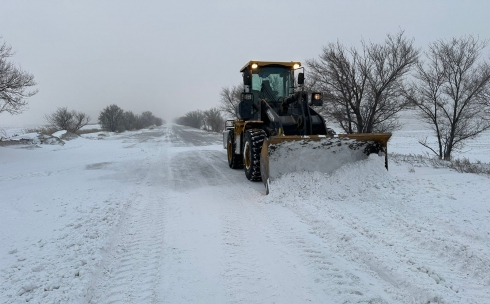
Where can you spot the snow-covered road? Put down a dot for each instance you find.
(199, 233)
(156, 216)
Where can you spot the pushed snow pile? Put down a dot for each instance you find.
(324, 156)
(69, 136)
(37, 138)
(50, 140)
(354, 179)
(59, 133)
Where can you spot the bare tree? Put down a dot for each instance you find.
(451, 93)
(147, 119)
(180, 120)
(13, 84)
(194, 119)
(61, 119)
(364, 89)
(111, 118)
(230, 97)
(72, 121)
(129, 121)
(159, 121)
(213, 120)
(79, 120)
(138, 124)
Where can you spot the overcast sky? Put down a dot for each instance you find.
(171, 57)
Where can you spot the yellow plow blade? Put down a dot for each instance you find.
(285, 154)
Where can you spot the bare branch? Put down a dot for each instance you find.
(230, 97)
(13, 84)
(80, 120)
(213, 120)
(364, 89)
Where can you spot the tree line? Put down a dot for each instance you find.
(365, 89)
(211, 120)
(112, 118)
(14, 92)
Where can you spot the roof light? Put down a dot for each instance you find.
(296, 66)
(254, 65)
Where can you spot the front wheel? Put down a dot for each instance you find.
(251, 153)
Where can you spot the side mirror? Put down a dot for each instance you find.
(317, 99)
(247, 80)
(301, 78)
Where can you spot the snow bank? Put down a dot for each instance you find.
(58, 211)
(36, 138)
(424, 232)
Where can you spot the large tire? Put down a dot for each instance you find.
(235, 161)
(251, 153)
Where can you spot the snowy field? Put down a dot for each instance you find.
(156, 216)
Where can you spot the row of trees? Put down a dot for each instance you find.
(211, 120)
(112, 118)
(14, 91)
(366, 88)
(115, 119)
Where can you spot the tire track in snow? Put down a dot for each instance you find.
(134, 272)
(131, 271)
(274, 259)
(394, 239)
(416, 245)
(341, 281)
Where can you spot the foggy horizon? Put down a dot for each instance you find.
(172, 58)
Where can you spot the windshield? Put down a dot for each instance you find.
(272, 83)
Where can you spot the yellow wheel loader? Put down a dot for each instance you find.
(276, 128)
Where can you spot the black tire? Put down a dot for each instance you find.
(251, 153)
(235, 161)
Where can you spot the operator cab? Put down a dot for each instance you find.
(271, 99)
(272, 83)
(268, 81)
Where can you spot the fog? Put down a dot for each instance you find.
(170, 58)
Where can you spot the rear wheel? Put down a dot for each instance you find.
(235, 161)
(251, 153)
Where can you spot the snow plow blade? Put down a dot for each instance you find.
(285, 154)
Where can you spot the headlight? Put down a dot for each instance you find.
(316, 99)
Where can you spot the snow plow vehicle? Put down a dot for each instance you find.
(277, 131)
